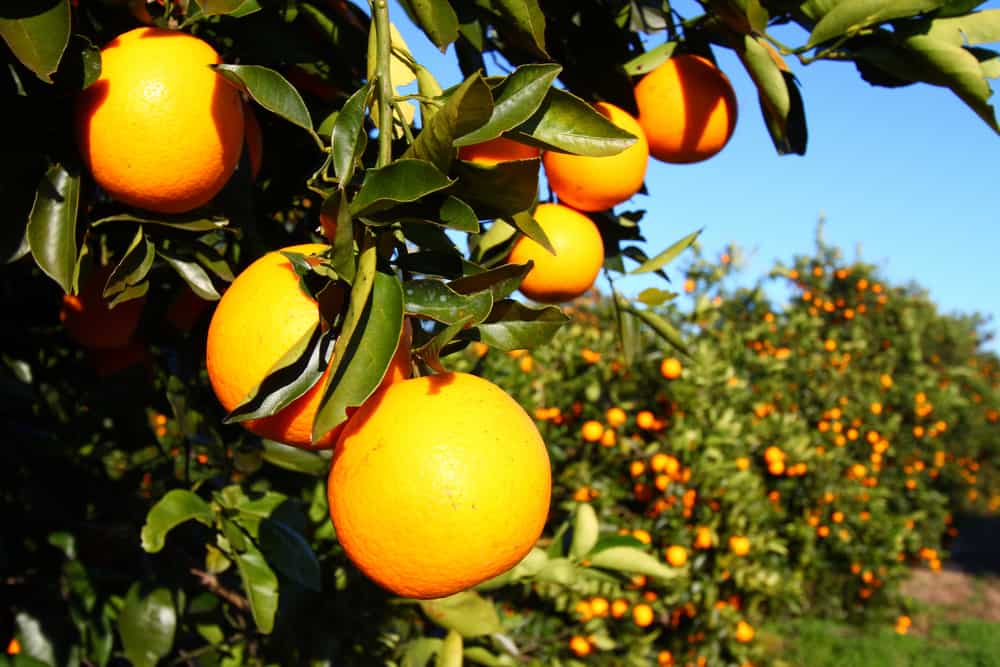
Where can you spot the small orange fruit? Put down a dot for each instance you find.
(592, 430)
(439, 483)
(645, 420)
(615, 417)
(677, 555)
(90, 322)
(578, 259)
(160, 129)
(744, 632)
(703, 538)
(619, 608)
(496, 151)
(643, 615)
(739, 545)
(599, 183)
(259, 318)
(687, 108)
(579, 646)
(670, 368)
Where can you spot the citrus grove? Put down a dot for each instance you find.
(305, 368)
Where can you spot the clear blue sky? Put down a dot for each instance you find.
(911, 175)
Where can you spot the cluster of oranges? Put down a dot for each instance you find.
(687, 113)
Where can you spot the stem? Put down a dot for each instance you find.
(383, 55)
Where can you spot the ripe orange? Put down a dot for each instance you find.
(259, 318)
(90, 322)
(496, 151)
(615, 417)
(159, 129)
(592, 431)
(670, 368)
(578, 259)
(687, 108)
(619, 607)
(677, 555)
(579, 646)
(643, 615)
(599, 183)
(739, 545)
(703, 538)
(744, 632)
(439, 483)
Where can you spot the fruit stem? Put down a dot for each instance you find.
(383, 55)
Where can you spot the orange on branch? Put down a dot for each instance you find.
(91, 322)
(439, 483)
(497, 150)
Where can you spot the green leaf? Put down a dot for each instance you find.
(566, 123)
(290, 554)
(270, 90)
(497, 191)
(456, 214)
(36, 645)
(501, 281)
(52, 225)
(779, 96)
(147, 626)
(175, 508)
(529, 566)
(450, 654)
(654, 297)
(195, 224)
(436, 18)
(366, 354)
(348, 139)
(430, 352)
(81, 64)
(420, 651)
(37, 34)
(480, 656)
(757, 15)
(204, 8)
(668, 255)
(133, 267)
(660, 326)
(495, 241)
(295, 459)
(526, 224)
(969, 29)
(336, 208)
(514, 326)
(261, 586)
(403, 181)
(436, 300)
(632, 560)
(585, 531)
(528, 18)
(193, 274)
(294, 374)
(516, 99)
(850, 16)
(466, 613)
(651, 59)
(468, 107)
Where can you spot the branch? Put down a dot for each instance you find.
(211, 582)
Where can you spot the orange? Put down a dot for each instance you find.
(186, 309)
(439, 483)
(677, 555)
(599, 607)
(90, 322)
(687, 108)
(703, 538)
(619, 607)
(739, 545)
(578, 259)
(744, 632)
(599, 183)
(592, 431)
(670, 368)
(645, 420)
(496, 151)
(615, 417)
(262, 315)
(159, 129)
(642, 614)
(579, 646)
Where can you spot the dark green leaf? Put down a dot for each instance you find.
(298, 370)
(456, 214)
(196, 224)
(402, 181)
(295, 459)
(495, 241)
(365, 356)
(348, 139)
(517, 98)
(849, 16)
(526, 224)
(501, 281)
(204, 8)
(52, 225)
(270, 90)
(175, 508)
(514, 326)
(37, 38)
(431, 351)
(336, 208)
(147, 626)
(467, 613)
(668, 255)
(468, 107)
(193, 274)
(528, 18)
(261, 586)
(567, 124)
(431, 263)
(498, 191)
(651, 59)
(436, 18)
(81, 64)
(130, 293)
(290, 554)
(133, 267)
(436, 300)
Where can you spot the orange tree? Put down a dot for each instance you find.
(161, 148)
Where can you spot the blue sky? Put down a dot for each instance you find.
(910, 176)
